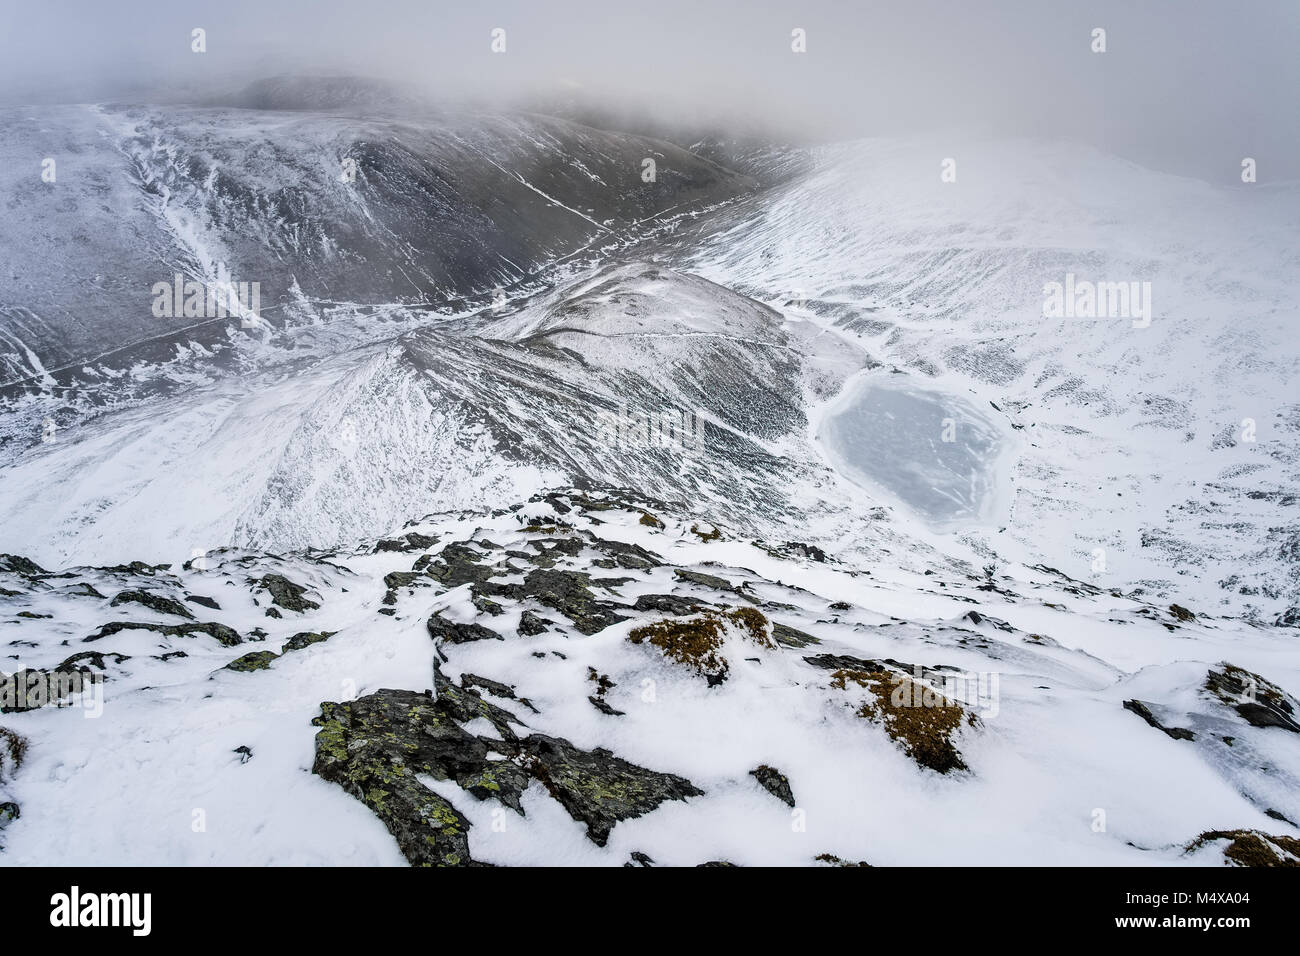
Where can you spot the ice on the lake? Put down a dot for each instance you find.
(932, 451)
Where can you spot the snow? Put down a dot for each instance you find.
(1057, 747)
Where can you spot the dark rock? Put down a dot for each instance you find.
(1143, 710)
(705, 580)
(286, 593)
(441, 629)
(17, 564)
(834, 662)
(674, 604)
(91, 658)
(1260, 702)
(774, 782)
(493, 687)
(530, 624)
(808, 551)
(401, 579)
(833, 860)
(791, 637)
(375, 747)
(975, 617)
(253, 661)
(569, 593)
(630, 556)
(204, 601)
(412, 541)
(598, 788)
(458, 564)
(306, 639)
(605, 708)
(155, 602)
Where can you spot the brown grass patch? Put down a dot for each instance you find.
(697, 641)
(918, 718)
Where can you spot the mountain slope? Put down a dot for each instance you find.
(320, 208)
(563, 680)
(1172, 446)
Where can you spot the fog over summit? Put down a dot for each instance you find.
(1183, 86)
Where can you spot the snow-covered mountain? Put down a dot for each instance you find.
(326, 210)
(1170, 446)
(774, 433)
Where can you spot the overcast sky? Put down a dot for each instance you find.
(1186, 85)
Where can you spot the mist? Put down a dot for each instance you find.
(1186, 87)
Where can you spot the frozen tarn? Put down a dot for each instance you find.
(932, 451)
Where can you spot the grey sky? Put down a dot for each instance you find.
(1186, 85)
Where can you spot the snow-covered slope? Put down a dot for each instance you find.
(596, 678)
(638, 377)
(1173, 447)
(323, 209)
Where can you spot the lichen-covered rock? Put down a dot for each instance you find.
(306, 639)
(530, 624)
(458, 564)
(155, 602)
(375, 748)
(598, 788)
(569, 592)
(285, 593)
(253, 661)
(675, 604)
(225, 636)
